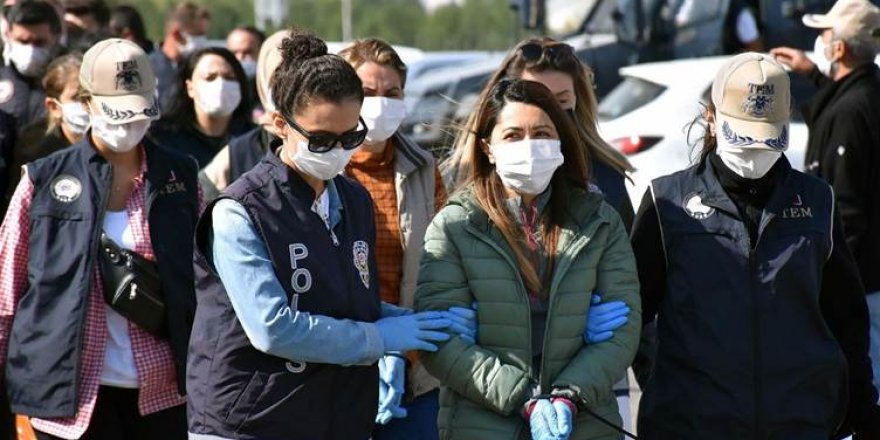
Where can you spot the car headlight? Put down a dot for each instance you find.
(635, 144)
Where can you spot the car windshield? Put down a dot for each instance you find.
(602, 21)
(565, 16)
(629, 95)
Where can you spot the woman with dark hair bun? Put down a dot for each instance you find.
(289, 325)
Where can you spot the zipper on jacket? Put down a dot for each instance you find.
(558, 271)
(756, 349)
(756, 331)
(520, 286)
(96, 236)
(572, 250)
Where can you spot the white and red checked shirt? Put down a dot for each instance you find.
(153, 358)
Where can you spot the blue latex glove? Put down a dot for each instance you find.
(464, 322)
(392, 373)
(413, 332)
(603, 319)
(550, 421)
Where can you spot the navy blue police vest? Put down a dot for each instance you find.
(71, 190)
(744, 351)
(246, 151)
(236, 391)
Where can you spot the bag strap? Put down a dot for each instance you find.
(110, 248)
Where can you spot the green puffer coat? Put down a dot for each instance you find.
(485, 386)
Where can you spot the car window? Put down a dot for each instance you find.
(564, 17)
(629, 95)
(429, 108)
(602, 21)
(695, 11)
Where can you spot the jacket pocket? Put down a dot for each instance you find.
(243, 405)
(59, 213)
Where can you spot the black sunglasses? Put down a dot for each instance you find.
(554, 53)
(322, 143)
(558, 54)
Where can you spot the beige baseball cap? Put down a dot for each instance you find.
(752, 98)
(118, 75)
(848, 18)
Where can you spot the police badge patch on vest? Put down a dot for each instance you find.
(693, 205)
(361, 252)
(65, 188)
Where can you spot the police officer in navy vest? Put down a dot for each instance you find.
(762, 321)
(77, 362)
(289, 325)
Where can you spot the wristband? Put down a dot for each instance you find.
(396, 354)
(530, 405)
(571, 406)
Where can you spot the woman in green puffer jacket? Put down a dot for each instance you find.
(529, 243)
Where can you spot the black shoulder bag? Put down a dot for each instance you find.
(132, 286)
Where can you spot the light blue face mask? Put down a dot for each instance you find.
(250, 68)
(75, 116)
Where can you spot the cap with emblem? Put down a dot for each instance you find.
(118, 75)
(752, 100)
(850, 19)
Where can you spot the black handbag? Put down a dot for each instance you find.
(132, 286)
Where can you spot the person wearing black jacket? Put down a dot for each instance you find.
(845, 134)
(762, 323)
(247, 150)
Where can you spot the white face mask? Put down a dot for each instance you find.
(822, 61)
(383, 117)
(28, 59)
(75, 116)
(120, 137)
(751, 161)
(219, 97)
(250, 68)
(193, 43)
(527, 165)
(324, 166)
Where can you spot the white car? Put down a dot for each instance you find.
(650, 118)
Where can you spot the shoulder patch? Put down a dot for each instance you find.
(693, 205)
(65, 188)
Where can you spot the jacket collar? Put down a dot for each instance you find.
(834, 90)
(713, 194)
(408, 157)
(298, 187)
(580, 206)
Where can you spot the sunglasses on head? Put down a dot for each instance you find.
(324, 142)
(554, 53)
(557, 54)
